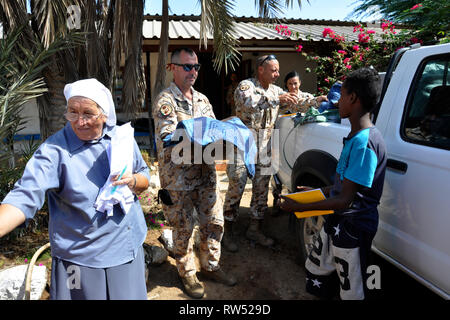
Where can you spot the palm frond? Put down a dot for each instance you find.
(290, 3)
(128, 15)
(51, 18)
(14, 14)
(216, 18)
(20, 82)
(269, 8)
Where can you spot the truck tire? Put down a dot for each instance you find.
(307, 229)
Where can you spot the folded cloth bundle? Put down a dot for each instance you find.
(204, 131)
(313, 115)
(120, 155)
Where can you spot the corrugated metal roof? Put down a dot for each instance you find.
(187, 28)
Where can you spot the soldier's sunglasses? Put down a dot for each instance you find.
(188, 67)
(268, 58)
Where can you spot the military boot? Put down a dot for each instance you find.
(219, 276)
(254, 233)
(229, 241)
(193, 287)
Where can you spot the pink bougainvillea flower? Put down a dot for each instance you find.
(348, 66)
(370, 31)
(326, 80)
(339, 38)
(356, 28)
(26, 260)
(356, 47)
(342, 52)
(363, 38)
(346, 60)
(415, 40)
(283, 30)
(327, 31)
(414, 7)
(298, 48)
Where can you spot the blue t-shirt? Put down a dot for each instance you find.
(363, 161)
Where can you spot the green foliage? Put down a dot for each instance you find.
(9, 175)
(371, 49)
(428, 18)
(19, 83)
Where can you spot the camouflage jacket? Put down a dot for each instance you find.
(258, 108)
(305, 101)
(171, 107)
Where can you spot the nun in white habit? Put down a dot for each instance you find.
(95, 255)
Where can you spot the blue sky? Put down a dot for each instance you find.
(315, 9)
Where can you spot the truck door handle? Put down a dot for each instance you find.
(397, 165)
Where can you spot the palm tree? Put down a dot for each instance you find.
(20, 82)
(112, 32)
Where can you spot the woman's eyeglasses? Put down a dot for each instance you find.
(268, 58)
(188, 67)
(72, 116)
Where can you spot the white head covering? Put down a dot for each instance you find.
(96, 91)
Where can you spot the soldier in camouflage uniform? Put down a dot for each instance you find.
(187, 185)
(258, 103)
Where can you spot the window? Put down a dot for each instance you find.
(427, 117)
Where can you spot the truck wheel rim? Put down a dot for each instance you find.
(311, 231)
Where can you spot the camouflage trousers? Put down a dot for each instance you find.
(237, 178)
(208, 204)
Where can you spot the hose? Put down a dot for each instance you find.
(30, 270)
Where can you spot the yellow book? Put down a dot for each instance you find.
(308, 197)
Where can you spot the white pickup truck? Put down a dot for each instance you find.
(414, 118)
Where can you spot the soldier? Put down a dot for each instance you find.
(187, 186)
(306, 100)
(258, 102)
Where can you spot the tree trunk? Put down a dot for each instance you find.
(163, 50)
(52, 105)
(161, 69)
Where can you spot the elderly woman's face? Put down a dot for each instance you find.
(293, 84)
(89, 122)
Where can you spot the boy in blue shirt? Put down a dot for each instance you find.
(345, 239)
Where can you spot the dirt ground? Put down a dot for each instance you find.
(262, 273)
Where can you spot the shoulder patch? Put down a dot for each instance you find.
(244, 87)
(165, 110)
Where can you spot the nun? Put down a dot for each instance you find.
(95, 256)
